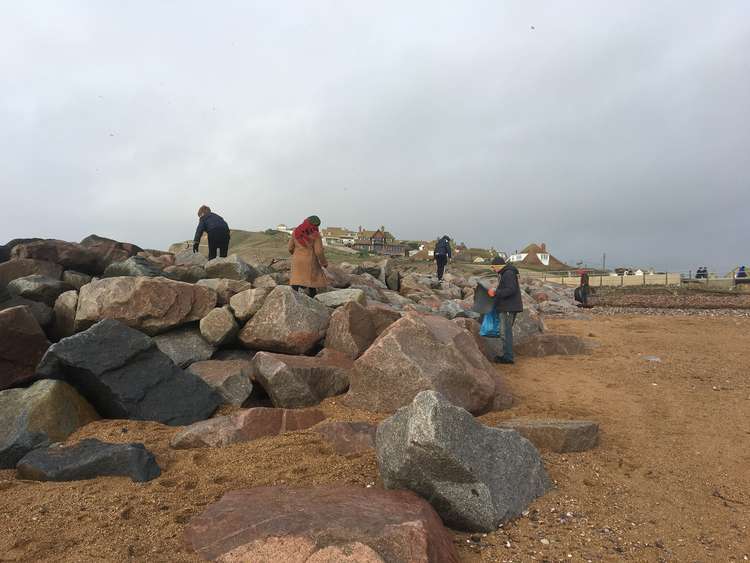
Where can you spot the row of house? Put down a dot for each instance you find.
(380, 241)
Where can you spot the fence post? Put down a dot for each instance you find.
(622, 280)
(666, 279)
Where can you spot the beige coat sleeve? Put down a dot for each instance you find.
(290, 246)
(320, 252)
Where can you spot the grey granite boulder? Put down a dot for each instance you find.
(89, 459)
(38, 288)
(232, 268)
(122, 374)
(246, 303)
(136, 266)
(48, 411)
(65, 314)
(301, 381)
(225, 288)
(184, 346)
(75, 279)
(476, 477)
(232, 379)
(340, 297)
(219, 328)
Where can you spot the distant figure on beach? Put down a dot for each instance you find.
(442, 254)
(584, 289)
(508, 303)
(741, 276)
(217, 230)
(308, 257)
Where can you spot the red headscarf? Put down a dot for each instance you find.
(305, 232)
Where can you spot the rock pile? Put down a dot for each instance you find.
(105, 329)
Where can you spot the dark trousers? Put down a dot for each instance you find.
(309, 291)
(441, 260)
(509, 319)
(218, 241)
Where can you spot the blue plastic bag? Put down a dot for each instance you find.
(490, 325)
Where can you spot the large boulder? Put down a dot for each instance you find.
(152, 305)
(89, 459)
(351, 330)
(289, 322)
(185, 345)
(267, 281)
(248, 302)
(110, 251)
(47, 412)
(476, 477)
(324, 524)
(41, 312)
(245, 426)
(22, 345)
(225, 288)
(232, 268)
(23, 267)
(219, 327)
(560, 436)
(528, 324)
(382, 316)
(189, 258)
(120, 371)
(38, 288)
(341, 297)
(135, 266)
(301, 381)
(159, 257)
(6, 249)
(338, 277)
(232, 379)
(395, 299)
(69, 255)
(65, 314)
(75, 279)
(187, 274)
(420, 352)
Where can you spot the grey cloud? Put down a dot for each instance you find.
(608, 128)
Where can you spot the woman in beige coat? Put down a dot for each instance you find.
(308, 257)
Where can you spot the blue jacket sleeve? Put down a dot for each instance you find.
(200, 230)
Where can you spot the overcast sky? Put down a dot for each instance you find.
(592, 126)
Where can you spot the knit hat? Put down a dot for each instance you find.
(498, 261)
(314, 219)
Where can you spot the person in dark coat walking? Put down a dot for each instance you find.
(585, 288)
(508, 304)
(217, 230)
(442, 254)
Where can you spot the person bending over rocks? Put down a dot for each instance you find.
(218, 232)
(508, 303)
(308, 257)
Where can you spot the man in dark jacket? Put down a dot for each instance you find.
(217, 230)
(442, 254)
(508, 304)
